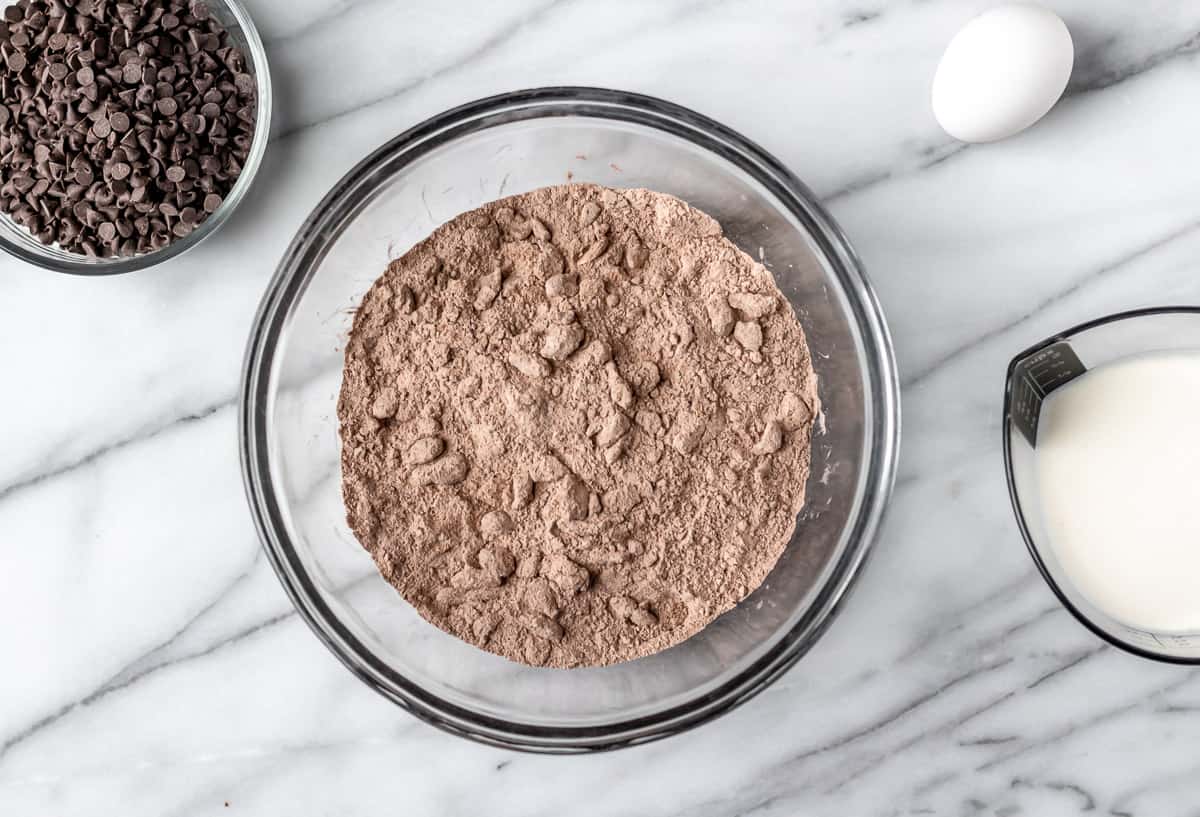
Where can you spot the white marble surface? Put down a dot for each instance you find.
(150, 664)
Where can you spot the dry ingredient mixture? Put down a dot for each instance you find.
(576, 425)
(123, 125)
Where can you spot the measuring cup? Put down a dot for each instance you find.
(1032, 375)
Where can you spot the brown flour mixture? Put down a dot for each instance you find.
(575, 425)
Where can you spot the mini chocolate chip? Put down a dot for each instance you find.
(155, 94)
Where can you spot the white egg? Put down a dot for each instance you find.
(1002, 72)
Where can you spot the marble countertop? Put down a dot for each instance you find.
(151, 665)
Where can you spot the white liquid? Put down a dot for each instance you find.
(1118, 465)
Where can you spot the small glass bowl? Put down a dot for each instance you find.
(1094, 343)
(17, 241)
(290, 452)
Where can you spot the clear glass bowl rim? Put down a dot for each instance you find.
(337, 208)
(1010, 479)
(64, 263)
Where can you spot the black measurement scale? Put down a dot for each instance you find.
(1037, 376)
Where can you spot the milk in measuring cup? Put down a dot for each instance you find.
(1118, 469)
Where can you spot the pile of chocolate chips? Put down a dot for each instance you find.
(122, 125)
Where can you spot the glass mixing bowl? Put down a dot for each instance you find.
(396, 197)
(17, 241)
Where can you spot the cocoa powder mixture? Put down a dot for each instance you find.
(575, 425)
